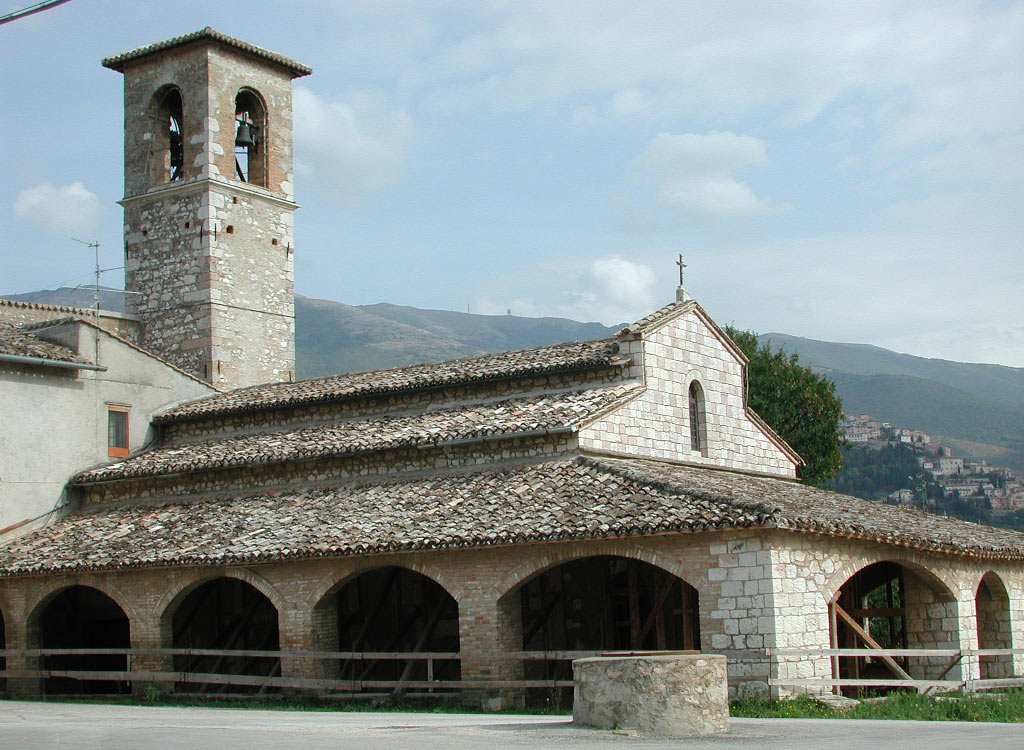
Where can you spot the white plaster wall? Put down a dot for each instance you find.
(54, 421)
(657, 424)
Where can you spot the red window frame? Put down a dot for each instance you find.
(118, 451)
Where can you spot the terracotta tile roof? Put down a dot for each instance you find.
(571, 356)
(671, 310)
(438, 425)
(118, 62)
(18, 342)
(64, 309)
(803, 508)
(568, 498)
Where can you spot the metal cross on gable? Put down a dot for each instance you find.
(681, 267)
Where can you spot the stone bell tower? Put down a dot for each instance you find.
(209, 205)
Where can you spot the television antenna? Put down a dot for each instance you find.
(96, 287)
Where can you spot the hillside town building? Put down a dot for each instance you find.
(606, 495)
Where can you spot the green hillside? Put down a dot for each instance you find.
(331, 337)
(493, 333)
(978, 408)
(997, 383)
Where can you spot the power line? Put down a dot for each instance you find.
(37, 8)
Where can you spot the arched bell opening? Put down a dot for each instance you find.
(992, 604)
(226, 614)
(602, 603)
(390, 610)
(167, 146)
(250, 138)
(81, 617)
(889, 605)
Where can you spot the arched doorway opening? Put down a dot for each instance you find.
(391, 610)
(888, 605)
(226, 614)
(992, 604)
(602, 603)
(86, 618)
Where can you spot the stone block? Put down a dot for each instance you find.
(663, 695)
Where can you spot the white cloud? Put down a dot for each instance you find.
(69, 210)
(354, 148)
(694, 173)
(610, 289)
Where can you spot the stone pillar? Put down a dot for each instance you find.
(148, 632)
(1016, 625)
(488, 628)
(19, 638)
(302, 629)
(737, 613)
(938, 622)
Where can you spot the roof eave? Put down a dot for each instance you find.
(208, 35)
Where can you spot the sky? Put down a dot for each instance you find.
(846, 171)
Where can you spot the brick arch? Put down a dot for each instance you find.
(36, 607)
(331, 583)
(172, 598)
(942, 583)
(522, 573)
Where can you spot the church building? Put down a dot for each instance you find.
(469, 525)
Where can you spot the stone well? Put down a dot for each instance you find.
(657, 694)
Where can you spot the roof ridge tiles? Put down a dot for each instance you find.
(551, 358)
(548, 413)
(16, 341)
(119, 61)
(569, 497)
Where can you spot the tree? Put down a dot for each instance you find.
(799, 404)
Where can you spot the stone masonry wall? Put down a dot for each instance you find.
(210, 259)
(322, 472)
(167, 275)
(657, 424)
(312, 415)
(759, 591)
(808, 570)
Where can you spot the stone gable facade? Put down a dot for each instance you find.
(686, 348)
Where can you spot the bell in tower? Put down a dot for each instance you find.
(208, 204)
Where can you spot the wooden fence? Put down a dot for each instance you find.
(901, 678)
(274, 679)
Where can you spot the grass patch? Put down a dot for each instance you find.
(1006, 708)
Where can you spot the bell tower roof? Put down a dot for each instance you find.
(208, 36)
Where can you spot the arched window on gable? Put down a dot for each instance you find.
(250, 138)
(698, 420)
(167, 149)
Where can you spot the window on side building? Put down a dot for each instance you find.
(117, 431)
(698, 420)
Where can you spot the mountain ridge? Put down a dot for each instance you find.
(974, 406)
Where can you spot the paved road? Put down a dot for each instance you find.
(30, 725)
